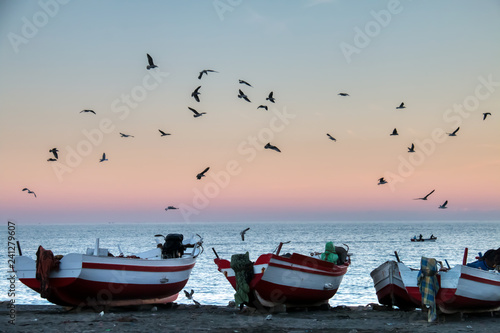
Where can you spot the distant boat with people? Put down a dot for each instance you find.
(420, 238)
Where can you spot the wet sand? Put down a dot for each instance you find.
(207, 318)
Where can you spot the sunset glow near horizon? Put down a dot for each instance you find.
(61, 57)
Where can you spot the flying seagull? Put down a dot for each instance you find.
(343, 94)
(241, 94)
(202, 174)
(454, 133)
(103, 158)
(242, 233)
(443, 206)
(330, 137)
(270, 98)
(425, 198)
(54, 151)
(401, 106)
(163, 133)
(122, 135)
(382, 181)
(189, 295)
(51, 159)
(245, 82)
(196, 113)
(171, 207)
(91, 111)
(411, 149)
(206, 71)
(394, 132)
(150, 63)
(262, 107)
(486, 114)
(29, 191)
(195, 94)
(270, 146)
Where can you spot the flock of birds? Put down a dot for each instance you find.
(196, 96)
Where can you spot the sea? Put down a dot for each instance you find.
(370, 244)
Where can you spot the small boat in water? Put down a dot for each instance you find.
(98, 278)
(293, 280)
(421, 239)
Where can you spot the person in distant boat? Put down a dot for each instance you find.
(329, 254)
(486, 262)
(432, 236)
(420, 237)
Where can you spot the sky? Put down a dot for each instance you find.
(60, 57)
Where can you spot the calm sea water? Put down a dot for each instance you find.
(370, 243)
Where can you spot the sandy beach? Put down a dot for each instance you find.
(207, 318)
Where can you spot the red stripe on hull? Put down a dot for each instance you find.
(478, 279)
(294, 268)
(394, 295)
(280, 294)
(449, 302)
(133, 268)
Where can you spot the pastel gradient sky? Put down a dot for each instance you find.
(59, 57)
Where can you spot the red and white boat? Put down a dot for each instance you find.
(98, 278)
(294, 280)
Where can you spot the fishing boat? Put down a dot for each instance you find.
(419, 239)
(98, 278)
(292, 280)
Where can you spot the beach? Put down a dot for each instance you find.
(209, 318)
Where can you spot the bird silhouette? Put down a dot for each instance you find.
(486, 114)
(163, 133)
(103, 158)
(270, 98)
(54, 151)
(122, 135)
(196, 94)
(454, 133)
(443, 206)
(401, 106)
(394, 132)
(343, 94)
(171, 207)
(91, 111)
(270, 146)
(202, 174)
(241, 94)
(150, 62)
(29, 191)
(382, 181)
(51, 159)
(196, 113)
(411, 149)
(425, 198)
(262, 107)
(206, 71)
(330, 137)
(189, 295)
(245, 82)
(242, 233)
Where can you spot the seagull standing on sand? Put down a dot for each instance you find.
(163, 133)
(262, 107)
(91, 111)
(330, 137)
(195, 94)
(206, 71)
(241, 94)
(270, 146)
(425, 198)
(411, 149)
(242, 233)
(382, 181)
(343, 94)
(443, 206)
(394, 132)
(486, 114)
(270, 98)
(245, 82)
(401, 106)
(29, 191)
(54, 151)
(122, 135)
(202, 174)
(103, 158)
(454, 133)
(151, 64)
(196, 113)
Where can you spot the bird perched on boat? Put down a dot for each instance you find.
(171, 207)
(401, 106)
(425, 198)
(163, 133)
(91, 111)
(241, 94)
(486, 114)
(270, 146)
(270, 98)
(454, 133)
(382, 181)
(196, 113)
(103, 158)
(343, 94)
(206, 71)
(411, 149)
(394, 132)
(443, 206)
(330, 137)
(29, 191)
(123, 135)
(262, 107)
(245, 82)
(151, 64)
(202, 174)
(242, 233)
(54, 151)
(196, 93)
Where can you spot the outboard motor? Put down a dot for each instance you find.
(173, 247)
